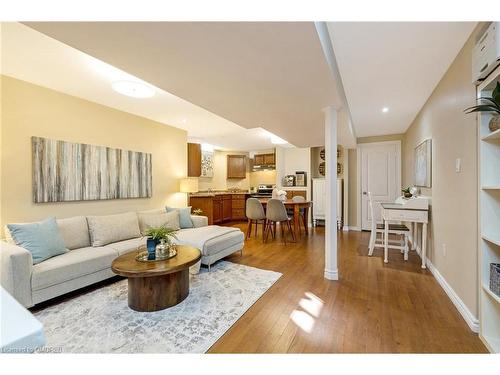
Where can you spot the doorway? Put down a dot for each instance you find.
(380, 174)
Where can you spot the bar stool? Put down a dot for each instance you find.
(256, 215)
(276, 213)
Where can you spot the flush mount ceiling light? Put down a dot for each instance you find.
(133, 89)
(385, 109)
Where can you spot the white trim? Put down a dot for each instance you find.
(358, 186)
(331, 274)
(468, 316)
(355, 228)
(345, 228)
(359, 175)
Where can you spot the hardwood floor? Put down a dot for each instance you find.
(373, 308)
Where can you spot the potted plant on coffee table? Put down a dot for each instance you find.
(489, 104)
(161, 237)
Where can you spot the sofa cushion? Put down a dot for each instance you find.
(184, 216)
(42, 239)
(127, 246)
(71, 265)
(113, 228)
(215, 240)
(166, 219)
(75, 232)
(153, 211)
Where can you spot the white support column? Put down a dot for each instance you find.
(331, 122)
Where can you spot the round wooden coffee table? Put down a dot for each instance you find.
(156, 285)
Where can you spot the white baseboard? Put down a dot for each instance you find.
(468, 316)
(354, 228)
(331, 274)
(345, 228)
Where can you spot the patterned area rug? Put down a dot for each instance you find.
(101, 321)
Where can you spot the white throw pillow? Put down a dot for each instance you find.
(113, 228)
(155, 220)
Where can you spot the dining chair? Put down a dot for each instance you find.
(302, 211)
(396, 229)
(256, 215)
(276, 213)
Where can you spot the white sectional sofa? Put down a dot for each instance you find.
(85, 264)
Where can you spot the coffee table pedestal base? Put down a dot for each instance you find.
(158, 292)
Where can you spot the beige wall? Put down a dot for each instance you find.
(29, 110)
(262, 177)
(454, 199)
(219, 181)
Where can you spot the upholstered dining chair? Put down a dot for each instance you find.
(256, 215)
(276, 213)
(397, 229)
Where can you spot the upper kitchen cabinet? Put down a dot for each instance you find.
(194, 159)
(264, 161)
(269, 159)
(236, 166)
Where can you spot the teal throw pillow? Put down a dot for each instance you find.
(42, 239)
(184, 216)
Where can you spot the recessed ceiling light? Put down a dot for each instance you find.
(385, 109)
(133, 89)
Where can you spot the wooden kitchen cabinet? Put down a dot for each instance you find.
(258, 159)
(194, 159)
(238, 207)
(220, 207)
(226, 208)
(264, 159)
(269, 159)
(217, 210)
(236, 166)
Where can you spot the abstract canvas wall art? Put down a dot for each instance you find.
(423, 164)
(66, 171)
(207, 164)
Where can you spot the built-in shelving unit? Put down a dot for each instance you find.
(489, 219)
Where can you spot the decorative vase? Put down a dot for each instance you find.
(494, 124)
(151, 246)
(407, 195)
(161, 248)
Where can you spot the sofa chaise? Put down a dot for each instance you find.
(93, 243)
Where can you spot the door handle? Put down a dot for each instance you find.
(364, 193)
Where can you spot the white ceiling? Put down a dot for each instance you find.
(34, 57)
(395, 65)
(257, 74)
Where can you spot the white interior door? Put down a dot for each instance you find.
(380, 175)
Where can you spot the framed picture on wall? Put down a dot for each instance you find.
(423, 164)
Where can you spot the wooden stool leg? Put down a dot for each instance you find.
(256, 227)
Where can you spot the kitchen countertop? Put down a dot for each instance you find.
(214, 193)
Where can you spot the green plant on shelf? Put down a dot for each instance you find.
(491, 105)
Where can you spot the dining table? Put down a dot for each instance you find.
(296, 206)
